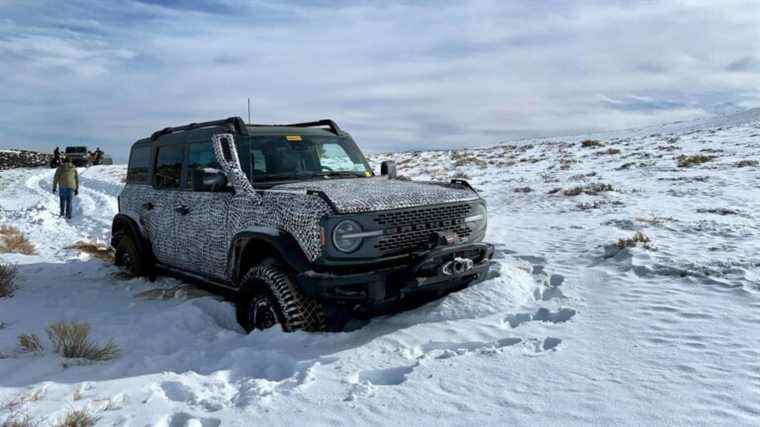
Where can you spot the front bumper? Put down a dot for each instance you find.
(427, 272)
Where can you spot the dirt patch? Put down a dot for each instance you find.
(97, 250)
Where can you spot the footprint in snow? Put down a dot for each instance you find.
(541, 315)
(183, 419)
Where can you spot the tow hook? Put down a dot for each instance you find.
(457, 266)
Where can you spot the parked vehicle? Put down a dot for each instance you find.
(78, 155)
(292, 221)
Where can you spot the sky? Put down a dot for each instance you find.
(396, 74)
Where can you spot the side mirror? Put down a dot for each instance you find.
(388, 168)
(209, 180)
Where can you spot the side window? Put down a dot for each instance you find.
(259, 162)
(201, 164)
(168, 172)
(139, 163)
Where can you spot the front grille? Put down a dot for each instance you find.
(407, 229)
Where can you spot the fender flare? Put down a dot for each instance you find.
(281, 241)
(125, 221)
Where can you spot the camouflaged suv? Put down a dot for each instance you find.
(293, 223)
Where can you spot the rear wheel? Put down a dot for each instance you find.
(269, 296)
(129, 257)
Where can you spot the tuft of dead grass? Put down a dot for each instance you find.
(98, 250)
(685, 161)
(638, 238)
(13, 240)
(8, 277)
(72, 340)
(591, 143)
(591, 189)
(746, 164)
(30, 343)
(77, 418)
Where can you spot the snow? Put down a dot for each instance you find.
(661, 336)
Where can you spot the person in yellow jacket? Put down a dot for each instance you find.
(67, 178)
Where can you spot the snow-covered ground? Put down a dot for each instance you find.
(574, 331)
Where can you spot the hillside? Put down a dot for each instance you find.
(588, 322)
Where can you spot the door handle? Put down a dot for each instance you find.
(182, 210)
(148, 206)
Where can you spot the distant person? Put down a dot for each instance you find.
(56, 157)
(98, 155)
(67, 178)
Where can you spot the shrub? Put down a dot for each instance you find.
(613, 151)
(98, 250)
(78, 418)
(29, 343)
(685, 161)
(8, 276)
(72, 340)
(591, 143)
(522, 190)
(13, 240)
(638, 237)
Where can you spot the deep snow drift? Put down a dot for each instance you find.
(574, 331)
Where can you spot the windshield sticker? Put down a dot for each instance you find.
(294, 138)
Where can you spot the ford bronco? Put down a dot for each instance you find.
(293, 223)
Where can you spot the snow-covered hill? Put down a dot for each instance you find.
(575, 330)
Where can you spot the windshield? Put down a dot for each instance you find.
(76, 149)
(304, 156)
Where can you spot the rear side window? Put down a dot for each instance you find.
(139, 162)
(168, 172)
(201, 163)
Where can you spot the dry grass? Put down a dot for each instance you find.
(638, 238)
(591, 143)
(13, 240)
(30, 343)
(72, 340)
(461, 158)
(685, 161)
(8, 276)
(591, 189)
(20, 419)
(98, 250)
(612, 151)
(78, 418)
(522, 190)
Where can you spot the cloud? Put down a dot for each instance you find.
(396, 74)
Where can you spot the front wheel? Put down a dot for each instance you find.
(269, 296)
(129, 257)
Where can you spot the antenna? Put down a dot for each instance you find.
(249, 110)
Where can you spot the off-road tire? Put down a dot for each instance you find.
(129, 257)
(293, 310)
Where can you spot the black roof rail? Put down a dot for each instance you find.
(234, 123)
(324, 122)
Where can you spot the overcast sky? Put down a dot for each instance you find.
(405, 74)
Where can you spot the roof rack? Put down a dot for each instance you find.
(234, 123)
(324, 122)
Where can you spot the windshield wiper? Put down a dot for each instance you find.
(343, 173)
(287, 175)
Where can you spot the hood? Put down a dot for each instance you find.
(380, 193)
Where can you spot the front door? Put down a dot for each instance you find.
(158, 211)
(201, 211)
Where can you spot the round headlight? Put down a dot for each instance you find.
(344, 236)
(479, 218)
